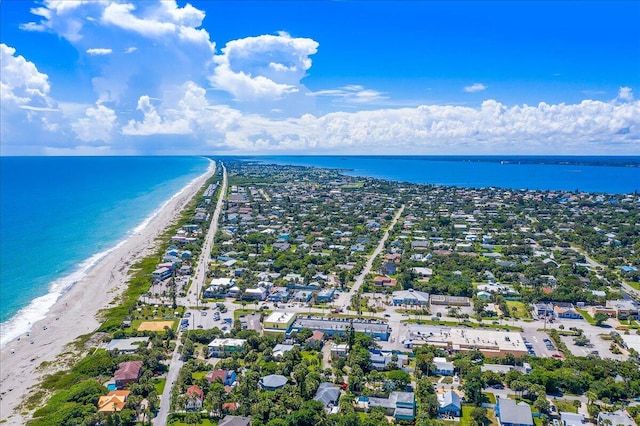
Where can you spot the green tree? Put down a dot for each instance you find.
(600, 318)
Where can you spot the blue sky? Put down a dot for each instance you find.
(343, 77)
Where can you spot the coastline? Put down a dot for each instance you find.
(74, 313)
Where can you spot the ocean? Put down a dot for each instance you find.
(612, 175)
(60, 215)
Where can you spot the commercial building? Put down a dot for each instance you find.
(491, 343)
(278, 322)
(410, 297)
(330, 326)
(444, 300)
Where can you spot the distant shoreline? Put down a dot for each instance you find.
(589, 174)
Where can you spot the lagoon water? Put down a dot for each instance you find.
(59, 215)
(613, 175)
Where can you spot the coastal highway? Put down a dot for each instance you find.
(198, 280)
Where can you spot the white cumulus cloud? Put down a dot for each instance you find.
(98, 124)
(22, 83)
(625, 94)
(263, 67)
(476, 87)
(587, 127)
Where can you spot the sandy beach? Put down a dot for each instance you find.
(74, 314)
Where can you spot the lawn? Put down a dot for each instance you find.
(518, 309)
(490, 397)
(563, 405)
(159, 384)
(586, 316)
(198, 375)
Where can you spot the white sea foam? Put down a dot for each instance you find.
(37, 310)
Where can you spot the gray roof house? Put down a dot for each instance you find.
(235, 421)
(449, 404)
(571, 419)
(273, 382)
(511, 414)
(328, 394)
(616, 418)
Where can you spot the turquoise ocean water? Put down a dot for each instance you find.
(60, 215)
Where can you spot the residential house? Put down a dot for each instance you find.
(511, 414)
(257, 293)
(161, 274)
(442, 366)
(235, 421)
(226, 377)
(400, 405)
(316, 340)
(281, 349)
(419, 245)
(127, 372)
(571, 419)
(113, 402)
(273, 382)
(194, 398)
(339, 351)
(381, 360)
(329, 395)
(384, 282)
(616, 418)
(449, 404)
(422, 273)
(388, 268)
(222, 347)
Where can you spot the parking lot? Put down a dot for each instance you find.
(206, 319)
(538, 344)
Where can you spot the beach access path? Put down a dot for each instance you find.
(76, 312)
(199, 280)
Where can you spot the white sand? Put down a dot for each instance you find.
(74, 314)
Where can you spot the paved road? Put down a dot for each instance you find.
(198, 281)
(200, 276)
(345, 298)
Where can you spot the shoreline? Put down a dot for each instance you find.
(74, 313)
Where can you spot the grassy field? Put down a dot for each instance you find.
(564, 405)
(518, 309)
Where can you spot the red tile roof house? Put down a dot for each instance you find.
(127, 372)
(195, 396)
(384, 282)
